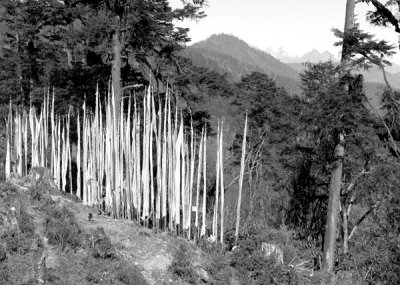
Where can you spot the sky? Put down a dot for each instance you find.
(297, 26)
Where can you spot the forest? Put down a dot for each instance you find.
(307, 164)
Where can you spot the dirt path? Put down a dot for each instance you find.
(150, 251)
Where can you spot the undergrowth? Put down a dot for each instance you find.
(100, 244)
(181, 265)
(20, 247)
(61, 227)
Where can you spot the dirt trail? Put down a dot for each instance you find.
(152, 252)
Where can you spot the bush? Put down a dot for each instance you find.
(25, 222)
(219, 268)
(100, 244)
(61, 228)
(210, 247)
(103, 271)
(40, 196)
(129, 274)
(181, 265)
(253, 267)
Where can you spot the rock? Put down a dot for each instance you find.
(202, 274)
(272, 250)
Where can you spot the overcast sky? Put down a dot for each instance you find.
(297, 26)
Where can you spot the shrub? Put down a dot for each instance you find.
(40, 196)
(209, 247)
(181, 265)
(117, 271)
(61, 228)
(25, 222)
(129, 274)
(253, 267)
(219, 268)
(100, 244)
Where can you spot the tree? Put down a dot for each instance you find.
(318, 78)
(336, 177)
(139, 33)
(49, 42)
(361, 50)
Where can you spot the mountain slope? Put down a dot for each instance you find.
(233, 68)
(229, 55)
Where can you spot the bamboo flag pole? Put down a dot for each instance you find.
(160, 170)
(164, 185)
(192, 162)
(221, 164)
(53, 140)
(69, 152)
(153, 130)
(241, 181)
(215, 216)
(129, 168)
(170, 166)
(85, 156)
(78, 160)
(9, 137)
(199, 171)
(177, 175)
(203, 228)
(25, 142)
(18, 142)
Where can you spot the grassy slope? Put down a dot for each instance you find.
(137, 252)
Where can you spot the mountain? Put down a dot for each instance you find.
(316, 56)
(312, 56)
(228, 54)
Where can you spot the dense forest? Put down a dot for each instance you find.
(317, 149)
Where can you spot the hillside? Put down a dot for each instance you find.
(61, 241)
(228, 54)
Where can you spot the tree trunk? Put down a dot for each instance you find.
(333, 208)
(116, 70)
(348, 26)
(345, 230)
(328, 256)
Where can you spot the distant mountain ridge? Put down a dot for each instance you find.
(228, 54)
(311, 56)
(316, 56)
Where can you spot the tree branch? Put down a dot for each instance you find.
(362, 218)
